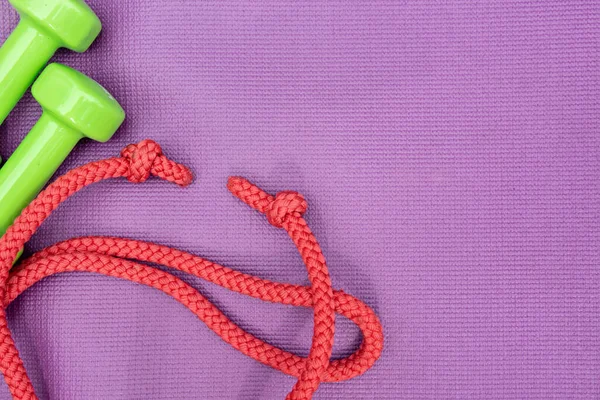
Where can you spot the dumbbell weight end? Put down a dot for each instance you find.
(22, 56)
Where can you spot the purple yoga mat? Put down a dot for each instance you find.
(449, 152)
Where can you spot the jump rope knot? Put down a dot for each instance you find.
(146, 158)
(285, 204)
(141, 158)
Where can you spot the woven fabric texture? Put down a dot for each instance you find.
(449, 151)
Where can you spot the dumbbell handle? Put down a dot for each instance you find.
(22, 57)
(32, 164)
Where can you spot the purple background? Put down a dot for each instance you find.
(449, 152)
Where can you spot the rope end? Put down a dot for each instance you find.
(277, 209)
(249, 193)
(187, 177)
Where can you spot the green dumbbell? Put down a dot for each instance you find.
(74, 107)
(45, 26)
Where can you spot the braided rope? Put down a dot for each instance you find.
(115, 257)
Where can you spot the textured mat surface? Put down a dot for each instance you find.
(449, 154)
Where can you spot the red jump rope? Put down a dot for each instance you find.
(117, 258)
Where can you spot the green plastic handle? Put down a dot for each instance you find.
(74, 107)
(45, 26)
